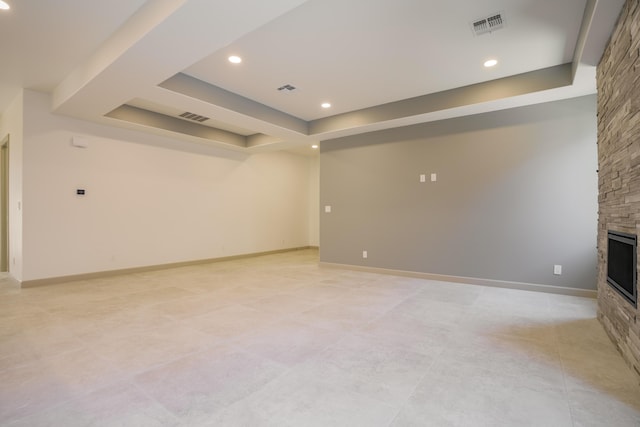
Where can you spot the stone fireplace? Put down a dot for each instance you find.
(619, 171)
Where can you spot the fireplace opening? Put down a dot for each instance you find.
(622, 265)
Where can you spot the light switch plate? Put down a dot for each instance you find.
(434, 177)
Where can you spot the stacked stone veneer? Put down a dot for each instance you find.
(619, 170)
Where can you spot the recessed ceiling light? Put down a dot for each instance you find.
(235, 59)
(325, 105)
(314, 146)
(4, 5)
(490, 63)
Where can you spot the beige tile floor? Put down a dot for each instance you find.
(278, 341)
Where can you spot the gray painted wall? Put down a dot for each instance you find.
(516, 193)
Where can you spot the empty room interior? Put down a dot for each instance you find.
(319, 213)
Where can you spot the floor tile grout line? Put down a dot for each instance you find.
(404, 404)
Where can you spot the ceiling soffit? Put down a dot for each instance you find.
(245, 124)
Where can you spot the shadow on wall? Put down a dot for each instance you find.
(461, 125)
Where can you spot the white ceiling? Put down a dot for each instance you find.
(41, 42)
(360, 53)
(381, 63)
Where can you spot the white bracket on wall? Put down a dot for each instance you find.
(79, 142)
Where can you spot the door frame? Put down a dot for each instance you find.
(4, 204)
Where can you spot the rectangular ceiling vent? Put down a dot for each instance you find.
(195, 117)
(488, 24)
(286, 88)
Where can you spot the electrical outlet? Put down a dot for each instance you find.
(557, 270)
(364, 254)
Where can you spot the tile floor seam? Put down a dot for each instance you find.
(144, 392)
(47, 409)
(422, 377)
(566, 392)
(160, 364)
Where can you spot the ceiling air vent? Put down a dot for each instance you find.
(488, 24)
(195, 117)
(286, 88)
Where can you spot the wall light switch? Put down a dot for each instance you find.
(434, 177)
(557, 270)
(327, 209)
(364, 254)
(423, 178)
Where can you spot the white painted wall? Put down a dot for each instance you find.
(11, 123)
(147, 203)
(314, 201)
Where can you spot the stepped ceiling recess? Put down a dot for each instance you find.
(162, 66)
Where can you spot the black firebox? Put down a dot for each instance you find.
(622, 265)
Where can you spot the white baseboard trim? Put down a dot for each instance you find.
(470, 280)
(119, 272)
